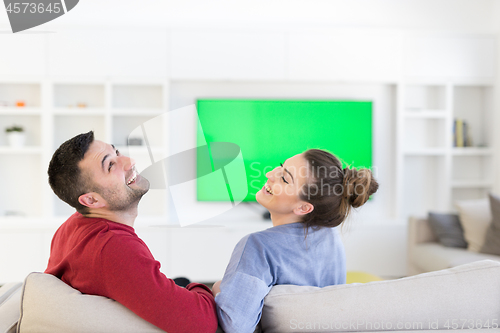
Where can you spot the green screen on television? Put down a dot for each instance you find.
(270, 131)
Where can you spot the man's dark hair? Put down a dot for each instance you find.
(65, 176)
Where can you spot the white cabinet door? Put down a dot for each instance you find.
(345, 55)
(450, 57)
(228, 55)
(23, 54)
(101, 53)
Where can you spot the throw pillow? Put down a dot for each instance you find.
(475, 217)
(492, 240)
(448, 229)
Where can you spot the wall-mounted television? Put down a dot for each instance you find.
(270, 131)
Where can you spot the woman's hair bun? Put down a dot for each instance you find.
(359, 185)
(333, 191)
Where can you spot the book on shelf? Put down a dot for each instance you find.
(461, 133)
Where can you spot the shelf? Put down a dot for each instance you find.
(425, 114)
(137, 96)
(70, 125)
(23, 150)
(471, 184)
(20, 111)
(424, 133)
(137, 111)
(125, 126)
(71, 95)
(472, 151)
(29, 93)
(79, 111)
(424, 184)
(474, 105)
(425, 97)
(425, 152)
(466, 151)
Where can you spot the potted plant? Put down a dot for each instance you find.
(15, 136)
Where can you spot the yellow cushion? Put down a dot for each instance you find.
(361, 277)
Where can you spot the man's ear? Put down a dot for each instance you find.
(92, 200)
(304, 208)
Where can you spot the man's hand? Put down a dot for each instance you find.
(216, 288)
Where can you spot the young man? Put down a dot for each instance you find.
(97, 251)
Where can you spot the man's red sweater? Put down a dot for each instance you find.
(101, 257)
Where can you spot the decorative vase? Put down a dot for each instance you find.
(16, 139)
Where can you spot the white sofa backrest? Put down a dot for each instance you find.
(436, 300)
(50, 305)
(431, 301)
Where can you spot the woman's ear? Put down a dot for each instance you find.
(304, 208)
(92, 200)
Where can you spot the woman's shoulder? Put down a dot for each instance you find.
(259, 242)
(286, 231)
(255, 238)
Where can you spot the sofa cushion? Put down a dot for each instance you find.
(492, 240)
(50, 305)
(425, 301)
(7, 290)
(475, 217)
(448, 229)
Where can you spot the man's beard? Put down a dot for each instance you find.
(117, 203)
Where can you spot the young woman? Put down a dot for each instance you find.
(307, 196)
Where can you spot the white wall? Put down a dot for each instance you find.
(496, 14)
(465, 15)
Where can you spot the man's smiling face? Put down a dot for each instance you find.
(113, 176)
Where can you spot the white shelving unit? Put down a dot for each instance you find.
(431, 172)
(472, 174)
(57, 110)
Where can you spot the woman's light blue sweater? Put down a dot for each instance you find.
(278, 255)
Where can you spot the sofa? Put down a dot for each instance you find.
(427, 254)
(462, 297)
(444, 240)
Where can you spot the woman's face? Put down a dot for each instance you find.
(281, 193)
